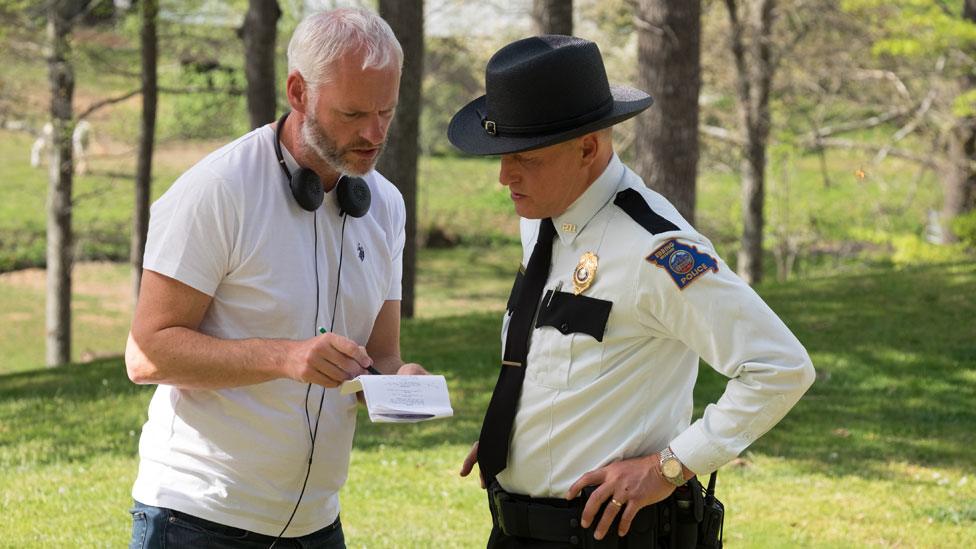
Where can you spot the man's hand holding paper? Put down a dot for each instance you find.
(402, 398)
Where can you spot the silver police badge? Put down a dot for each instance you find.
(585, 272)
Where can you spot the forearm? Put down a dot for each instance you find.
(188, 359)
(753, 402)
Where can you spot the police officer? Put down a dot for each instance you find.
(588, 433)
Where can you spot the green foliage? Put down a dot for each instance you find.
(906, 249)
(453, 75)
(916, 28)
(15, 13)
(614, 19)
(964, 105)
(462, 197)
(912, 250)
(21, 248)
(208, 112)
(964, 226)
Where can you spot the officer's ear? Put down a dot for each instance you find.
(589, 148)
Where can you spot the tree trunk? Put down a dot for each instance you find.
(259, 32)
(959, 187)
(668, 60)
(959, 184)
(59, 239)
(754, 76)
(750, 264)
(399, 162)
(552, 16)
(140, 217)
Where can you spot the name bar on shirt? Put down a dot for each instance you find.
(511, 363)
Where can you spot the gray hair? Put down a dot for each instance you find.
(321, 39)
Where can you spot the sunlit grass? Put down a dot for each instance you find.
(879, 453)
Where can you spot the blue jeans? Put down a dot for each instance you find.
(158, 527)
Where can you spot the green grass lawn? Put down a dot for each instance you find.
(879, 453)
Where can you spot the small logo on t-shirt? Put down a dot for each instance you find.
(361, 251)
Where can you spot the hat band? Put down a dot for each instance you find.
(493, 128)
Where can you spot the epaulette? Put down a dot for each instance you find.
(634, 205)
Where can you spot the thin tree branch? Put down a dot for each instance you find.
(890, 76)
(643, 24)
(187, 91)
(867, 123)
(897, 153)
(174, 91)
(722, 134)
(106, 102)
(916, 119)
(907, 128)
(799, 32)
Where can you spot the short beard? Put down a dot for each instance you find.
(328, 150)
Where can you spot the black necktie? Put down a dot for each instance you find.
(497, 427)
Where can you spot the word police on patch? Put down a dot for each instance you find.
(683, 262)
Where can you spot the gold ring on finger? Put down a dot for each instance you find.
(615, 502)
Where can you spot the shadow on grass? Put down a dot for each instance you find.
(71, 413)
(895, 353)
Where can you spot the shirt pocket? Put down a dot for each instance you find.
(570, 330)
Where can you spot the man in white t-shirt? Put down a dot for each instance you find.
(248, 439)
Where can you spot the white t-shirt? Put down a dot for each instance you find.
(230, 228)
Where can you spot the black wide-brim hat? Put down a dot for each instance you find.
(541, 91)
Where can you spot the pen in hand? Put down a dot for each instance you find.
(369, 368)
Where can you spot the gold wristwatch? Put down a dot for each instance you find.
(671, 467)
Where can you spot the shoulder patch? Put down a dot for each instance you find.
(683, 262)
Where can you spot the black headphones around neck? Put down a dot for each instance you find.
(352, 192)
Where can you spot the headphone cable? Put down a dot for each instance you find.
(313, 434)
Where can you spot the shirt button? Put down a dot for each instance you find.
(573, 523)
(573, 540)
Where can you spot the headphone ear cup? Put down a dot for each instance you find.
(307, 189)
(353, 195)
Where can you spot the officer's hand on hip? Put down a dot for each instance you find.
(327, 360)
(626, 486)
(469, 464)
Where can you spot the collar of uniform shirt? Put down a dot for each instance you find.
(571, 222)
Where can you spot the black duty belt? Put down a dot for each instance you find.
(558, 520)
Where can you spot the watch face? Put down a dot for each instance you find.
(671, 468)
